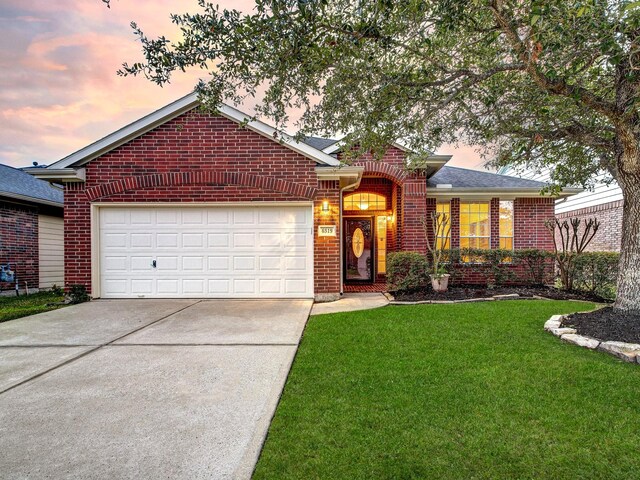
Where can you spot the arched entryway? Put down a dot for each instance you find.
(370, 216)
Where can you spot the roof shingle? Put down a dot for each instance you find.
(465, 178)
(16, 182)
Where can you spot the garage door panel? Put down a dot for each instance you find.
(217, 240)
(142, 286)
(219, 263)
(167, 240)
(219, 287)
(166, 216)
(141, 217)
(167, 286)
(141, 263)
(217, 252)
(141, 240)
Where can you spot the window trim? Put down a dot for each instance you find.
(448, 238)
(500, 235)
(370, 195)
(460, 236)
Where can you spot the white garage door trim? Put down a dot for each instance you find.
(96, 251)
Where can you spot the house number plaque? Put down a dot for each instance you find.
(326, 230)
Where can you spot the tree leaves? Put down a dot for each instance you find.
(530, 82)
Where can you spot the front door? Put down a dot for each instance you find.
(358, 249)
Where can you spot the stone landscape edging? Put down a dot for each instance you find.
(510, 296)
(628, 352)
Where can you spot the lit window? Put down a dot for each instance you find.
(475, 228)
(364, 201)
(444, 239)
(506, 224)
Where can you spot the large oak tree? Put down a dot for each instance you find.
(548, 84)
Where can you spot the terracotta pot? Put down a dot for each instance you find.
(440, 283)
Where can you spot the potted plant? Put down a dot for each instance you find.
(437, 231)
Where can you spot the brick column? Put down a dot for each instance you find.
(327, 249)
(455, 223)
(77, 236)
(414, 210)
(494, 218)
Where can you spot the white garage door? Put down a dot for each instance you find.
(210, 252)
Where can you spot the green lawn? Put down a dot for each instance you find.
(466, 391)
(15, 307)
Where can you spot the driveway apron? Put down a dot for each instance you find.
(144, 388)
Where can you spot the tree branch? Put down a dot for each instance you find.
(557, 86)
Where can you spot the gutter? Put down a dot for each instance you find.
(61, 175)
(26, 198)
(342, 190)
(474, 192)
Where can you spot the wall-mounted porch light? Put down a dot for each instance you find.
(325, 206)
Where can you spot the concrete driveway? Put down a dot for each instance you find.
(144, 388)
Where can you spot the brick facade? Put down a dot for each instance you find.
(197, 158)
(529, 231)
(609, 234)
(19, 243)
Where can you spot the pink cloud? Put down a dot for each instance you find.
(59, 90)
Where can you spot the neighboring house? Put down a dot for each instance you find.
(186, 204)
(31, 230)
(603, 202)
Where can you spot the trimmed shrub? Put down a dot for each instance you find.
(538, 265)
(596, 272)
(407, 271)
(500, 267)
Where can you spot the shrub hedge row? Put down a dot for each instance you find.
(594, 272)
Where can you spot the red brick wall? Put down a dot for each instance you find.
(529, 216)
(528, 229)
(494, 218)
(195, 158)
(609, 234)
(327, 249)
(19, 243)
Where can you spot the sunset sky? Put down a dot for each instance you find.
(59, 90)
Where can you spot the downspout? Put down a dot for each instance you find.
(342, 190)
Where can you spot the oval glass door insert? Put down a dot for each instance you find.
(357, 242)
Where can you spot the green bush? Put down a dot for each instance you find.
(537, 264)
(78, 294)
(407, 271)
(596, 272)
(532, 266)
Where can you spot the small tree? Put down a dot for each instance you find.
(437, 227)
(571, 244)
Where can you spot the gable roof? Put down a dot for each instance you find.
(456, 179)
(173, 110)
(15, 183)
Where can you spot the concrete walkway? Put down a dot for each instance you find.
(351, 302)
(144, 388)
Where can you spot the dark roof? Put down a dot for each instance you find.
(16, 183)
(465, 178)
(319, 143)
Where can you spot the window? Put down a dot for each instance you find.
(444, 239)
(364, 201)
(506, 224)
(475, 229)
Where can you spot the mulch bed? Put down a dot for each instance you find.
(465, 292)
(606, 324)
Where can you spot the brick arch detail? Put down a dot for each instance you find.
(384, 170)
(206, 177)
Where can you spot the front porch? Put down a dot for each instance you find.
(377, 287)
